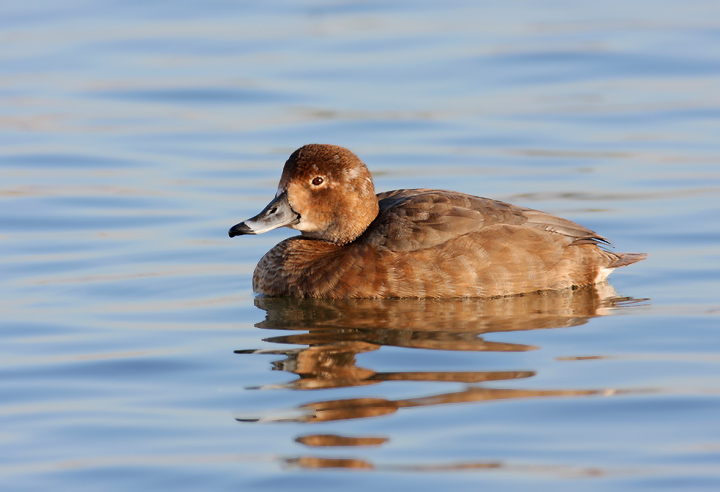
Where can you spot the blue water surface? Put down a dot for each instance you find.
(134, 354)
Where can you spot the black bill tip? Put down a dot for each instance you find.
(240, 229)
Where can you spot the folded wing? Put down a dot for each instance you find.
(411, 220)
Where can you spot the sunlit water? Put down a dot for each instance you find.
(135, 355)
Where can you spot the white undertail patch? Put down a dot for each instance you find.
(603, 274)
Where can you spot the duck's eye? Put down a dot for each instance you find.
(317, 181)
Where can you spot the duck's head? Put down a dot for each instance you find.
(325, 191)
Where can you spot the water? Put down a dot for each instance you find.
(134, 354)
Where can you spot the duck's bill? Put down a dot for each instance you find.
(278, 213)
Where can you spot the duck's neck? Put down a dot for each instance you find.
(349, 223)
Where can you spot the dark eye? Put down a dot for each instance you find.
(317, 181)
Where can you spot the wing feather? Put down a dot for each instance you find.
(411, 220)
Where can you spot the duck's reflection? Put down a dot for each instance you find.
(334, 332)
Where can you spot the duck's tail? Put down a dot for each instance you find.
(624, 259)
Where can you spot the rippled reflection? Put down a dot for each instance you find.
(316, 463)
(333, 332)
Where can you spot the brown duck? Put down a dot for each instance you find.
(412, 243)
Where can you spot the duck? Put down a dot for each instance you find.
(412, 243)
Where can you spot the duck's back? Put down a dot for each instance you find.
(433, 243)
(411, 220)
